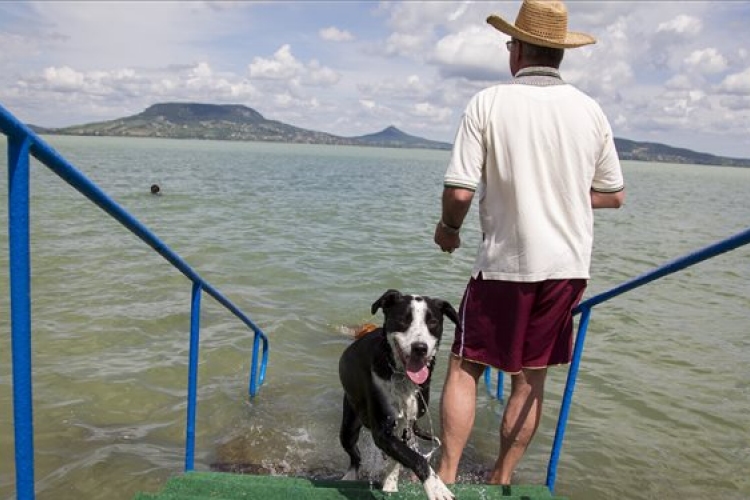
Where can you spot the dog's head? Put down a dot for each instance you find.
(413, 326)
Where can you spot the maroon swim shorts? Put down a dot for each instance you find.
(511, 325)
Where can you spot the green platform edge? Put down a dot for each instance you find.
(227, 486)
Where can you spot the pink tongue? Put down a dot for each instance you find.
(418, 376)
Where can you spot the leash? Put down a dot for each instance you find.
(436, 444)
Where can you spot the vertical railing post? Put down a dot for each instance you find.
(562, 420)
(253, 387)
(195, 315)
(488, 383)
(488, 380)
(20, 312)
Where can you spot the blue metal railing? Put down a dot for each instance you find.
(488, 384)
(585, 307)
(23, 142)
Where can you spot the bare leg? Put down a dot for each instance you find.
(520, 422)
(457, 409)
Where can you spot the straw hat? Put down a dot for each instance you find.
(542, 22)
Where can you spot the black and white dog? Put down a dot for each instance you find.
(386, 378)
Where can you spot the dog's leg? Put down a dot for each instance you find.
(392, 471)
(400, 451)
(349, 435)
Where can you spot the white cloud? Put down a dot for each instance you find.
(738, 103)
(620, 121)
(373, 108)
(696, 95)
(405, 44)
(415, 83)
(706, 61)
(737, 83)
(423, 17)
(64, 78)
(333, 34)
(282, 66)
(679, 82)
(459, 12)
(201, 71)
(615, 41)
(475, 52)
(409, 89)
(95, 83)
(682, 24)
(126, 91)
(321, 75)
(283, 100)
(428, 110)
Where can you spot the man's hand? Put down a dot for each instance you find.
(447, 240)
(456, 203)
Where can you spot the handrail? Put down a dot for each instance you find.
(585, 308)
(678, 264)
(23, 142)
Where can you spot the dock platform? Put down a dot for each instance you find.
(226, 486)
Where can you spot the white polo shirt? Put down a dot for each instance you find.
(533, 149)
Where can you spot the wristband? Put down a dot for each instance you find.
(449, 229)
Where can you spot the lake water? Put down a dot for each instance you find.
(304, 238)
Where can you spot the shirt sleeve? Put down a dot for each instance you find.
(468, 155)
(608, 174)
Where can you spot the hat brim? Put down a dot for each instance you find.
(572, 40)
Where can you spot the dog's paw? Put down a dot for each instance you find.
(351, 475)
(436, 489)
(390, 483)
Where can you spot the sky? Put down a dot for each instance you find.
(676, 72)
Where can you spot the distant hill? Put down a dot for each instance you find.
(203, 121)
(655, 152)
(191, 113)
(392, 137)
(41, 130)
(233, 123)
(240, 123)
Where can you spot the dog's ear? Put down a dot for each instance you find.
(386, 300)
(448, 310)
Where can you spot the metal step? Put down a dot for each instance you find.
(225, 486)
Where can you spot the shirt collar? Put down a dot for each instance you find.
(538, 75)
(539, 71)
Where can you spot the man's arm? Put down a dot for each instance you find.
(607, 200)
(456, 204)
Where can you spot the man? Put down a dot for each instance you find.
(540, 154)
